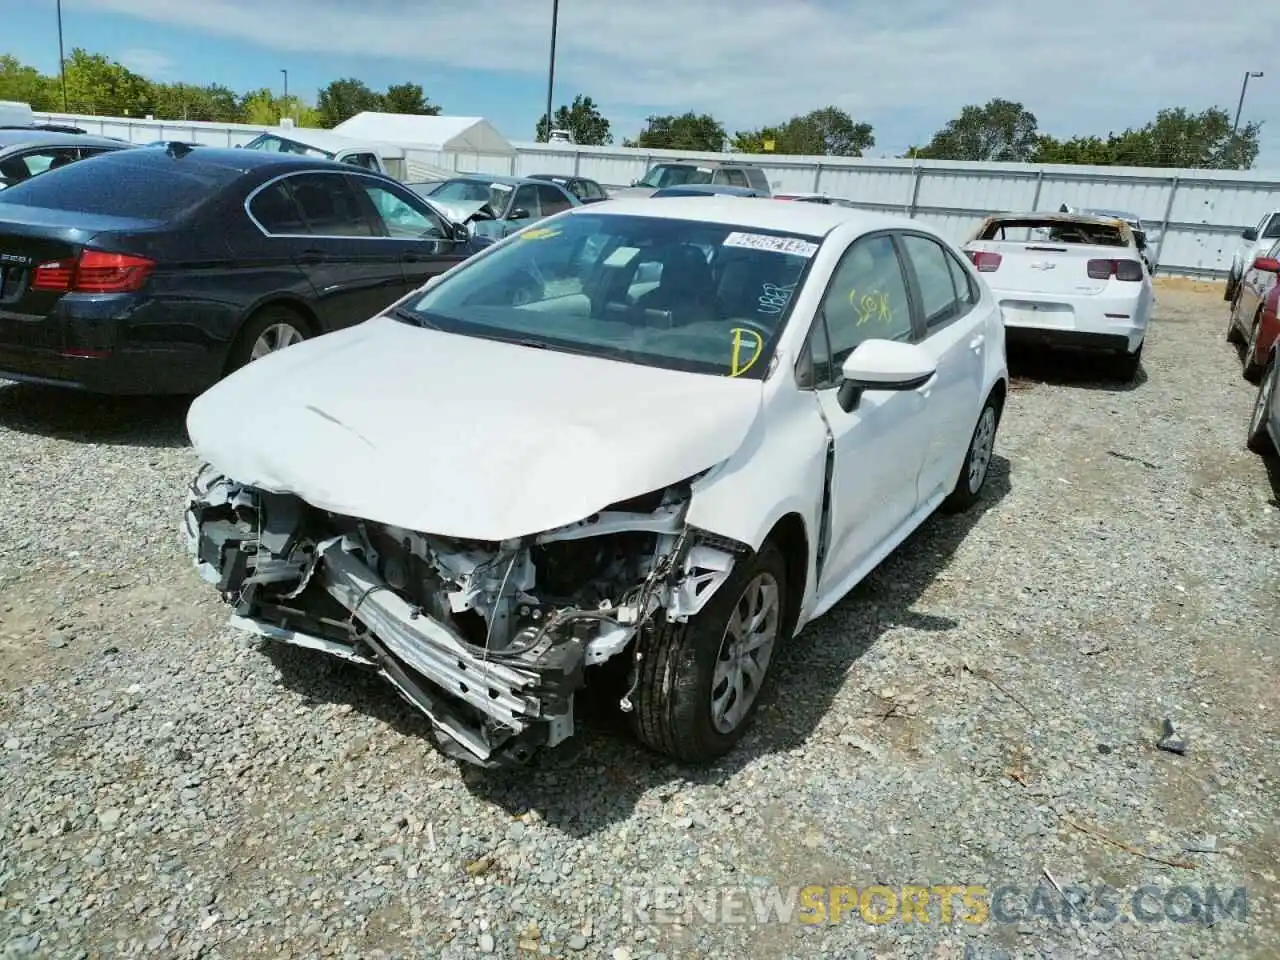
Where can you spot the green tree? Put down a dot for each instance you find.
(582, 118)
(408, 98)
(28, 85)
(1002, 130)
(1175, 138)
(688, 131)
(343, 99)
(97, 84)
(263, 107)
(828, 131)
(183, 101)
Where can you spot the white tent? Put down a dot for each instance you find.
(451, 134)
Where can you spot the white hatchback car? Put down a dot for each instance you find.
(538, 463)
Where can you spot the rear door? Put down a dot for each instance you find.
(420, 238)
(945, 297)
(353, 272)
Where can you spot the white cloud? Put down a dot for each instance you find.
(149, 63)
(907, 67)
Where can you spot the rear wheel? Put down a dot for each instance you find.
(1233, 329)
(1230, 293)
(977, 460)
(1259, 438)
(1125, 365)
(271, 329)
(700, 682)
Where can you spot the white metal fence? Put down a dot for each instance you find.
(1194, 217)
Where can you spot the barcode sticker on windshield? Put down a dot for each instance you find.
(762, 241)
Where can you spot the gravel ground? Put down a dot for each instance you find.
(984, 710)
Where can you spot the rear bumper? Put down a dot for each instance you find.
(1104, 324)
(1068, 340)
(111, 345)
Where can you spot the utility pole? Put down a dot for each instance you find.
(288, 113)
(551, 69)
(1240, 106)
(62, 60)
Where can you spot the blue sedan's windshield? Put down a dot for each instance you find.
(464, 191)
(682, 294)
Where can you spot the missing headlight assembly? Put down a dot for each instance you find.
(491, 641)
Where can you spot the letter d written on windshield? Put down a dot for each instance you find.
(747, 346)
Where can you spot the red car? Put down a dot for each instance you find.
(1253, 312)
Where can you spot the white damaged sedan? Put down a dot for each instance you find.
(666, 433)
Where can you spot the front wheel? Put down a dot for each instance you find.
(1230, 293)
(1259, 438)
(977, 460)
(1233, 329)
(700, 682)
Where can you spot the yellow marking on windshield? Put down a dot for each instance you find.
(540, 233)
(753, 342)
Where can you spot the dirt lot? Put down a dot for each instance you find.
(984, 711)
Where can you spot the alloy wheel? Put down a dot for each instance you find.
(745, 652)
(980, 451)
(273, 338)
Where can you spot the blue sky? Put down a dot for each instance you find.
(1086, 67)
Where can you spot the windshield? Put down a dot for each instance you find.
(680, 294)
(471, 191)
(674, 175)
(280, 145)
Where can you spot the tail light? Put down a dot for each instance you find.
(94, 272)
(1120, 269)
(985, 261)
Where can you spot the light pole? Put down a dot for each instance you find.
(62, 60)
(285, 74)
(551, 69)
(1243, 87)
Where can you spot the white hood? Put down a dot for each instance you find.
(460, 436)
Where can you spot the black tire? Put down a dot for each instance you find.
(272, 315)
(1258, 438)
(968, 488)
(1230, 293)
(673, 698)
(1233, 329)
(1125, 366)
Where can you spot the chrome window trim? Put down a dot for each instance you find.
(354, 172)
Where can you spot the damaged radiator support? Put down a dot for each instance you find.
(495, 688)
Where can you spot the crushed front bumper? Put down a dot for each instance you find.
(483, 711)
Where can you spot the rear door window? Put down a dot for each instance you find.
(276, 212)
(933, 273)
(366, 160)
(526, 199)
(329, 205)
(735, 178)
(757, 179)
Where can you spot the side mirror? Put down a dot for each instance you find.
(519, 213)
(1267, 264)
(461, 232)
(1250, 234)
(1140, 239)
(883, 365)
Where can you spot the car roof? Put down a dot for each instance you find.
(705, 190)
(554, 177)
(811, 219)
(26, 137)
(227, 158)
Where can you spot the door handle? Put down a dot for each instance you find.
(311, 256)
(977, 341)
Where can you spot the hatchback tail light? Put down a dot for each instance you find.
(95, 271)
(1120, 269)
(985, 261)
